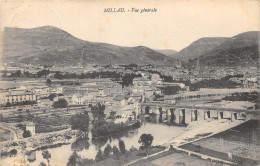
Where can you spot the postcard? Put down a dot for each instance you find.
(129, 83)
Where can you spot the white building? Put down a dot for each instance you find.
(31, 127)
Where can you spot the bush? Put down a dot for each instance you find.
(52, 96)
(13, 152)
(61, 103)
(26, 133)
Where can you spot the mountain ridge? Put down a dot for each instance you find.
(240, 50)
(37, 45)
(199, 47)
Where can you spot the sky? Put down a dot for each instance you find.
(175, 25)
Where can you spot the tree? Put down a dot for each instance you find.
(81, 143)
(98, 111)
(116, 152)
(107, 150)
(170, 90)
(146, 140)
(26, 133)
(61, 103)
(48, 81)
(52, 96)
(43, 73)
(18, 73)
(74, 159)
(13, 152)
(122, 146)
(80, 121)
(42, 164)
(99, 155)
(46, 155)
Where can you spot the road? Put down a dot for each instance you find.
(14, 134)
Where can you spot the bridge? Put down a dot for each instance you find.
(186, 114)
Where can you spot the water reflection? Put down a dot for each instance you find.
(81, 143)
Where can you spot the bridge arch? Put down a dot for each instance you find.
(206, 115)
(182, 116)
(147, 110)
(194, 115)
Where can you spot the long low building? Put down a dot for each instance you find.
(17, 96)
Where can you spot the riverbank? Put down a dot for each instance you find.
(194, 132)
(129, 156)
(39, 142)
(202, 129)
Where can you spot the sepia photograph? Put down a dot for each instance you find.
(129, 82)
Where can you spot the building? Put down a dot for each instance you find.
(169, 99)
(30, 127)
(18, 96)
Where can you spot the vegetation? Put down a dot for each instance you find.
(97, 111)
(46, 155)
(48, 81)
(99, 156)
(103, 128)
(17, 73)
(170, 90)
(42, 164)
(80, 121)
(52, 96)
(126, 79)
(50, 124)
(244, 96)
(26, 133)
(74, 159)
(146, 141)
(61, 103)
(13, 152)
(122, 146)
(81, 143)
(213, 83)
(107, 150)
(42, 73)
(116, 152)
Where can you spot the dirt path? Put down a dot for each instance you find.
(14, 134)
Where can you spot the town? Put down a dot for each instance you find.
(41, 102)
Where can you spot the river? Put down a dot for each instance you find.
(88, 147)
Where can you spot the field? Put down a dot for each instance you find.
(4, 134)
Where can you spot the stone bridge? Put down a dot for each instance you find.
(180, 114)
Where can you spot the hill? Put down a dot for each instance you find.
(199, 48)
(53, 46)
(167, 52)
(240, 50)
